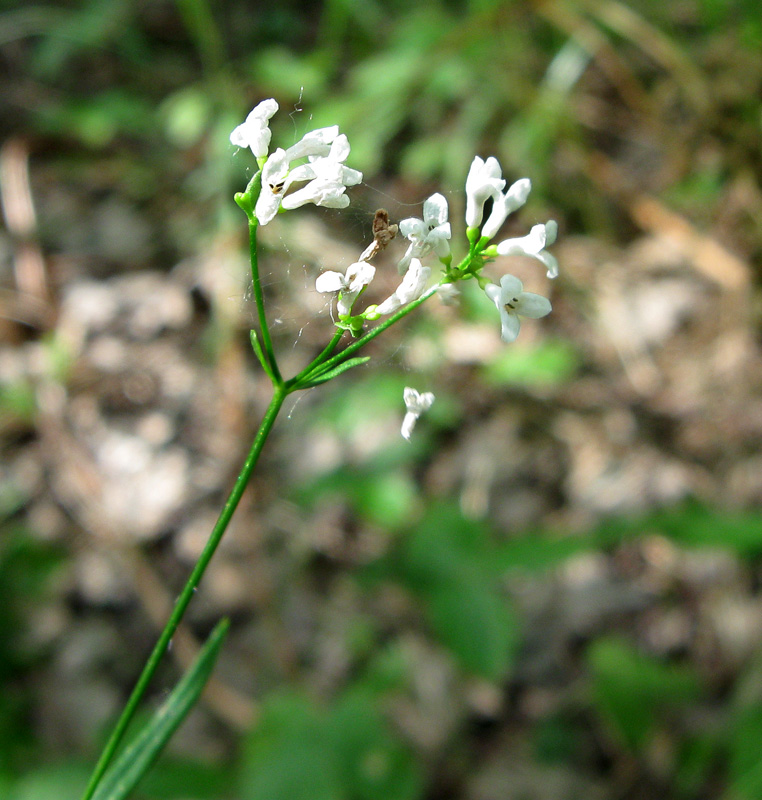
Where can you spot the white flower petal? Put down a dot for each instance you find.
(408, 423)
(492, 291)
(340, 148)
(529, 245)
(415, 403)
(435, 209)
(319, 192)
(267, 206)
(449, 293)
(254, 132)
(505, 204)
(314, 143)
(551, 232)
(413, 283)
(389, 306)
(512, 302)
(510, 326)
(484, 180)
(351, 177)
(360, 274)
(533, 305)
(263, 110)
(510, 285)
(330, 282)
(551, 263)
(412, 227)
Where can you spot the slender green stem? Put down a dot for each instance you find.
(361, 342)
(189, 589)
(260, 301)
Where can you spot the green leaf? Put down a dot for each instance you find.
(257, 348)
(371, 764)
(448, 562)
(288, 757)
(633, 691)
(745, 747)
(138, 757)
(476, 622)
(317, 378)
(300, 751)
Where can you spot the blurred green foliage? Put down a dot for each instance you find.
(300, 751)
(634, 692)
(26, 567)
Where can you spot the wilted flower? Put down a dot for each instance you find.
(512, 302)
(415, 403)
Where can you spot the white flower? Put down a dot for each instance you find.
(314, 143)
(505, 204)
(534, 244)
(349, 286)
(448, 293)
(427, 234)
(274, 174)
(484, 180)
(410, 289)
(327, 175)
(415, 403)
(512, 301)
(255, 132)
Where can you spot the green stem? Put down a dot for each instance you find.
(260, 301)
(360, 343)
(189, 589)
(317, 362)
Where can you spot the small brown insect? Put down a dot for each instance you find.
(383, 232)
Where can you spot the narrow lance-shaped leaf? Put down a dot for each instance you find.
(138, 757)
(316, 379)
(257, 348)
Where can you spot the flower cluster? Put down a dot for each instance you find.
(325, 150)
(485, 182)
(317, 164)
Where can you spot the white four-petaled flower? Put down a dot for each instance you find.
(534, 244)
(415, 403)
(349, 286)
(427, 234)
(255, 132)
(512, 302)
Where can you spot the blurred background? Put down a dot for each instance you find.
(554, 591)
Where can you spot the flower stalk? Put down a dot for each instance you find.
(324, 178)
